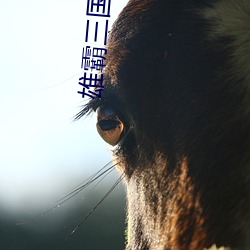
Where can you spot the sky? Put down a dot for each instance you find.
(43, 151)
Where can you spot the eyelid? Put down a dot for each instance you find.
(102, 102)
(96, 103)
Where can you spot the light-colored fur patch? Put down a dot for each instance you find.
(231, 18)
(215, 248)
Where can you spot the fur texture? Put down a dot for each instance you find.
(178, 74)
(230, 18)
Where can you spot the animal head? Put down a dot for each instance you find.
(175, 106)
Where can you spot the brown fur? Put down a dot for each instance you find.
(185, 151)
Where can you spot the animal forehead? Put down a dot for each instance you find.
(155, 34)
(146, 36)
(163, 53)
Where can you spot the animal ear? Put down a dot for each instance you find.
(109, 125)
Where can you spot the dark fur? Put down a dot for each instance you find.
(186, 151)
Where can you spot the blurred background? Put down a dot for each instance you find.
(44, 154)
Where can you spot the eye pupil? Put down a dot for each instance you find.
(106, 125)
(109, 125)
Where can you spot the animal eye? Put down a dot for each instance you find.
(109, 126)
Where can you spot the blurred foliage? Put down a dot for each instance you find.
(103, 230)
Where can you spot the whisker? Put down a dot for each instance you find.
(57, 84)
(108, 172)
(92, 190)
(93, 209)
(103, 171)
(86, 183)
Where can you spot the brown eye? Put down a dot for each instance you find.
(109, 126)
